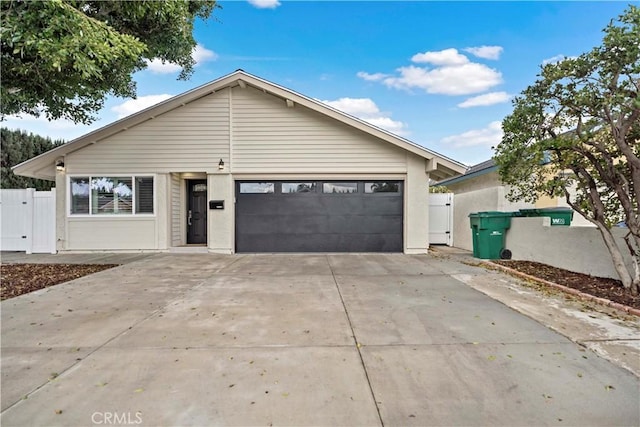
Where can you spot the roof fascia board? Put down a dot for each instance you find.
(468, 176)
(30, 166)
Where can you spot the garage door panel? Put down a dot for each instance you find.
(299, 204)
(254, 242)
(365, 224)
(341, 204)
(382, 205)
(257, 204)
(318, 222)
(302, 224)
(265, 225)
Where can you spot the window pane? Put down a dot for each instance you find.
(199, 187)
(381, 187)
(340, 187)
(298, 187)
(79, 195)
(111, 195)
(144, 194)
(257, 187)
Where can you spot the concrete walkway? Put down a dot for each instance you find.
(66, 258)
(296, 340)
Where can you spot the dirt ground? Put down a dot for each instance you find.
(18, 279)
(610, 289)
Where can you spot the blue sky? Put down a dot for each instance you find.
(440, 74)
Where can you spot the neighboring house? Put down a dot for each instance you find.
(480, 189)
(242, 165)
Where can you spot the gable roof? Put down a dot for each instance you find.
(43, 166)
(476, 170)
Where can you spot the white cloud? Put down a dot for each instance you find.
(556, 59)
(158, 66)
(355, 106)
(265, 4)
(367, 110)
(486, 52)
(371, 77)
(448, 72)
(486, 99)
(489, 136)
(442, 57)
(200, 54)
(389, 124)
(134, 105)
(464, 79)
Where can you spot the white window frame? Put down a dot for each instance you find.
(133, 213)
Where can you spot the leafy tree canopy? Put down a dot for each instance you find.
(61, 58)
(576, 133)
(439, 189)
(18, 146)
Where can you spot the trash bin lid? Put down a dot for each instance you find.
(558, 209)
(487, 214)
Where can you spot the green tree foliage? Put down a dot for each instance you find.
(18, 146)
(439, 189)
(577, 130)
(61, 58)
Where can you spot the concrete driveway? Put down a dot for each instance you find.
(295, 340)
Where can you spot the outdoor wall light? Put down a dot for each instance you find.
(221, 165)
(60, 166)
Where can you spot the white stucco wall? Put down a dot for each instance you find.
(416, 213)
(487, 199)
(579, 249)
(221, 222)
(479, 182)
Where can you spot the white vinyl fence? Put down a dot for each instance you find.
(28, 221)
(441, 219)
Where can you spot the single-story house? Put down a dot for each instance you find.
(480, 189)
(241, 164)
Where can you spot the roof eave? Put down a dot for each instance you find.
(445, 166)
(457, 179)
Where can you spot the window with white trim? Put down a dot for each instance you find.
(111, 195)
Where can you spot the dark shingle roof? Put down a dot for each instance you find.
(475, 170)
(480, 166)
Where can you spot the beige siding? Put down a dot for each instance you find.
(269, 137)
(176, 218)
(190, 138)
(115, 234)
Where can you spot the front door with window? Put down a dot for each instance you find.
(197, 212)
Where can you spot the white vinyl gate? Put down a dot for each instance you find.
(28, 221)
(441, 219)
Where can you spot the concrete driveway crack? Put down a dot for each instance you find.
(355, 340)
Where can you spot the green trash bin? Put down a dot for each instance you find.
(559, 216)
(488, 230)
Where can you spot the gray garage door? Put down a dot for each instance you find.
(319, 216)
